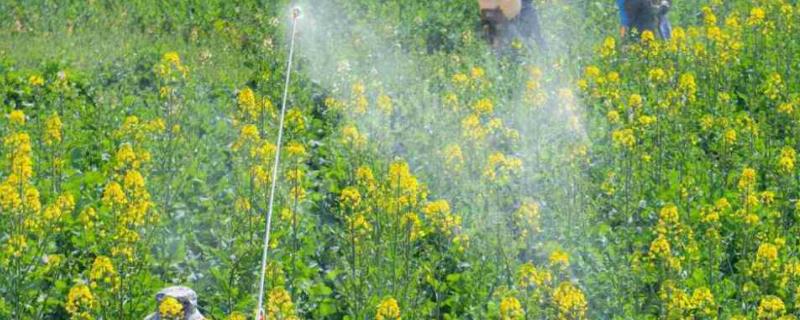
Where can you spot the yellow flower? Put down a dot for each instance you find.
(295, 149)
(774, 86)
(688, 86)
(385, 104)
(125, 156)
(623, 138)
(247, 103)
(570, 301)
(757, 16)
(113, 194)
(511, 309)
(527, 217)
(501, 168)
(708, 16)
(248, 135)
(103, 273)
(358, 225)
(613, 116)
(170, 308)
(365, 177)
(529, 276)
(635, 101)
(17, 117)
(295, 120)
(404, 184)
(80, 302)
(36, 80)
(453, 157)
(477, 73)
(237, 316)
(669, 214)
(648, 37)
(460, 79)
(748, 179)
(484, 106)
(608, 48)
(559, 258)
(388, 309)
(172, 57)
(351, 136)
(646, 120)
(660, 247)
(280, 305)
(703, 300)
(9, 198)
(410, 221)
(658, 75)
(770, 307)
(16, 245)
(592, 72)
(438, 213)
(767, 252)
(730, 136)
(350, 197)
(134, 181)
(786, 162)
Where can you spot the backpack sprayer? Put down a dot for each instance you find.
(267, 229)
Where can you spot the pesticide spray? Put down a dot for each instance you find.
(267, 229)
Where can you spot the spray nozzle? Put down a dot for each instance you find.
(296, 12)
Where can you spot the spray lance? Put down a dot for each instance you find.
(267, 228)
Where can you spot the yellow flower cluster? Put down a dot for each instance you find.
(252, 109)
(52, 130)
(770, 307)
(511, 309)
(570, 301)
(766, 258)
(500, 168)
(236, 316)
(453, 157)
(280, 306)
(438, 213)
(786, 161)
(170, 67)
(352, 137)
(388, 310)
(526, 218)
(528, 276)
(171, 309)
(623, 138)
(103, 273)
(559, 259)
(360, 102)
(747, 181)
(350, 198)
(404, 185)
(80, 303)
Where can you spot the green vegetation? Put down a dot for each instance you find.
(424, 175)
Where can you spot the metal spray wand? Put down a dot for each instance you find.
(267, 229)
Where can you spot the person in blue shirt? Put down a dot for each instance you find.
(625, 22)
(641, 15)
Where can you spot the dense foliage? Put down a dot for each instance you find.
(424, 175)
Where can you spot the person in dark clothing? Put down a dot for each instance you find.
(645, 15)
(505, 20)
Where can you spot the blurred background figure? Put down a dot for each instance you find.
(641, 15)
(504, 21)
